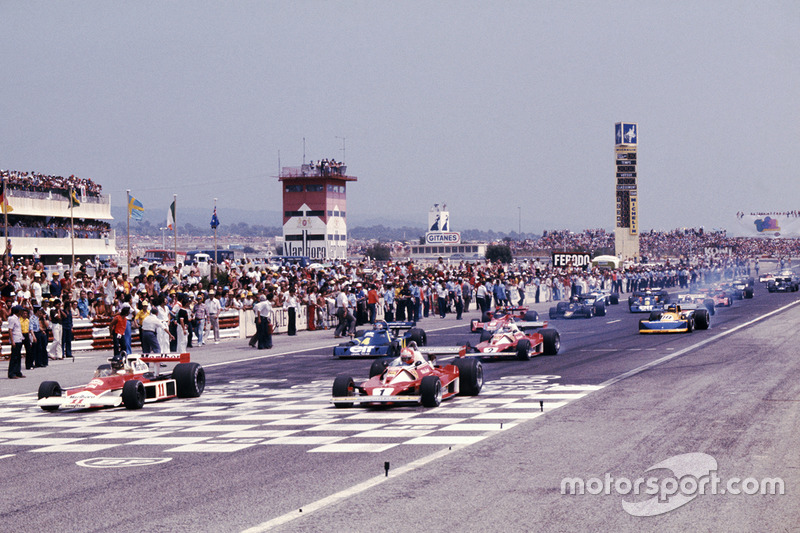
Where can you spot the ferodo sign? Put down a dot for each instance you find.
(571, 259)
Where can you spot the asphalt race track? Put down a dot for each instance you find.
(264, 450)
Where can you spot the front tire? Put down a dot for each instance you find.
(379, 365)
(418, 335)
(552, 341)
(343, 386)
(133, 394)
(431, 391)
(49, 389)
(190, 380)
(470, 376)
(523, 349)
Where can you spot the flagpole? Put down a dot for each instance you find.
(216, 255)
(175, 223)
(6, 259)
(72, 224)
(128, 191)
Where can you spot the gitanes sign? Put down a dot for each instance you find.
(571, 259)
(440, 237)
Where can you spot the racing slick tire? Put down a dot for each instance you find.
(531, 316)
(470, 376)
(655, 315)
(343, 386)
(614, 298)
(701, 319)
(48, 389)
(589, 311)
(418, 335)
(133, 394)
(431, 391)
(379, 365)
(486, 316)
(664, 297)
(690, 325)
(553, 313)
(551, 340)
(394, 349)
(523, 349)
(485, 335)
(561, 307)
(600, 309)
(190, 380)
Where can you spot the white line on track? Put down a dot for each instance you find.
(347, 493)
(6, 456)
(614, 321)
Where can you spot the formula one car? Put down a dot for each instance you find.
(602, 295)
(411, 379)
(578, 307)
(721, 296)
(490, 321)
(648, 300)
(383, 340)
(129, 380)
(514, 341)
(675, 319)
(699, 299)
(785, 281)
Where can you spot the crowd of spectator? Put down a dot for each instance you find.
(38, 182)
(346, 294)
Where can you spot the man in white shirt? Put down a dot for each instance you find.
(214, 308)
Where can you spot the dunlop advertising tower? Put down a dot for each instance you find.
(626, 232)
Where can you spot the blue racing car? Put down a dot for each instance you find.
(385, 339)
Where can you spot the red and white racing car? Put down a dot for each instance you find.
(512, 340)
(128, 380)
(491, 321)
(411, 379)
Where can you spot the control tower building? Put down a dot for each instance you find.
(626, 232)
(314, 210)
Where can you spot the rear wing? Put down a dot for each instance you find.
(531, 325)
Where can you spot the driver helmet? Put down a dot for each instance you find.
(118, 361)
(407, 356)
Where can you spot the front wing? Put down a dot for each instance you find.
(664, 326)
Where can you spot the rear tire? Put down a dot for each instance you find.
(379, 365)
(49, 389)
(133, 394)
(614, 298)
(343, 386)
(431, 391)
(552, 341)
(531, 316)
(486, 335)
(553, 313)
(470, 376)
(701, 319)
(418, 335)
(190, 380)
(600, 309)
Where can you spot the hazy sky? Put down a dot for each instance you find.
(485, 106)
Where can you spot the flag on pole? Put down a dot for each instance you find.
(171, 215)
(135, 208)
(214, 219)
(4, 207)
(73, 199)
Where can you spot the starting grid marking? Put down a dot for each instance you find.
(253, 412)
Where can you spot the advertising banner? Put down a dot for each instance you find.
(778, 224)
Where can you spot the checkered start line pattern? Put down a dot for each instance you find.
(258, 412)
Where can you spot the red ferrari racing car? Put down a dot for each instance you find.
(490, 321)
(411, 379)
(129, 380)
(512, 340)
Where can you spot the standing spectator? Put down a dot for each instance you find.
(15, 336)
(55, 350)
(388, 303)
(263, 313)
(214, 308)
(151, 326)
(200, 312)
(372, 303)
(117, 329)
(65, 314)
(291, 305)
(25, 326)
(40, 328)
